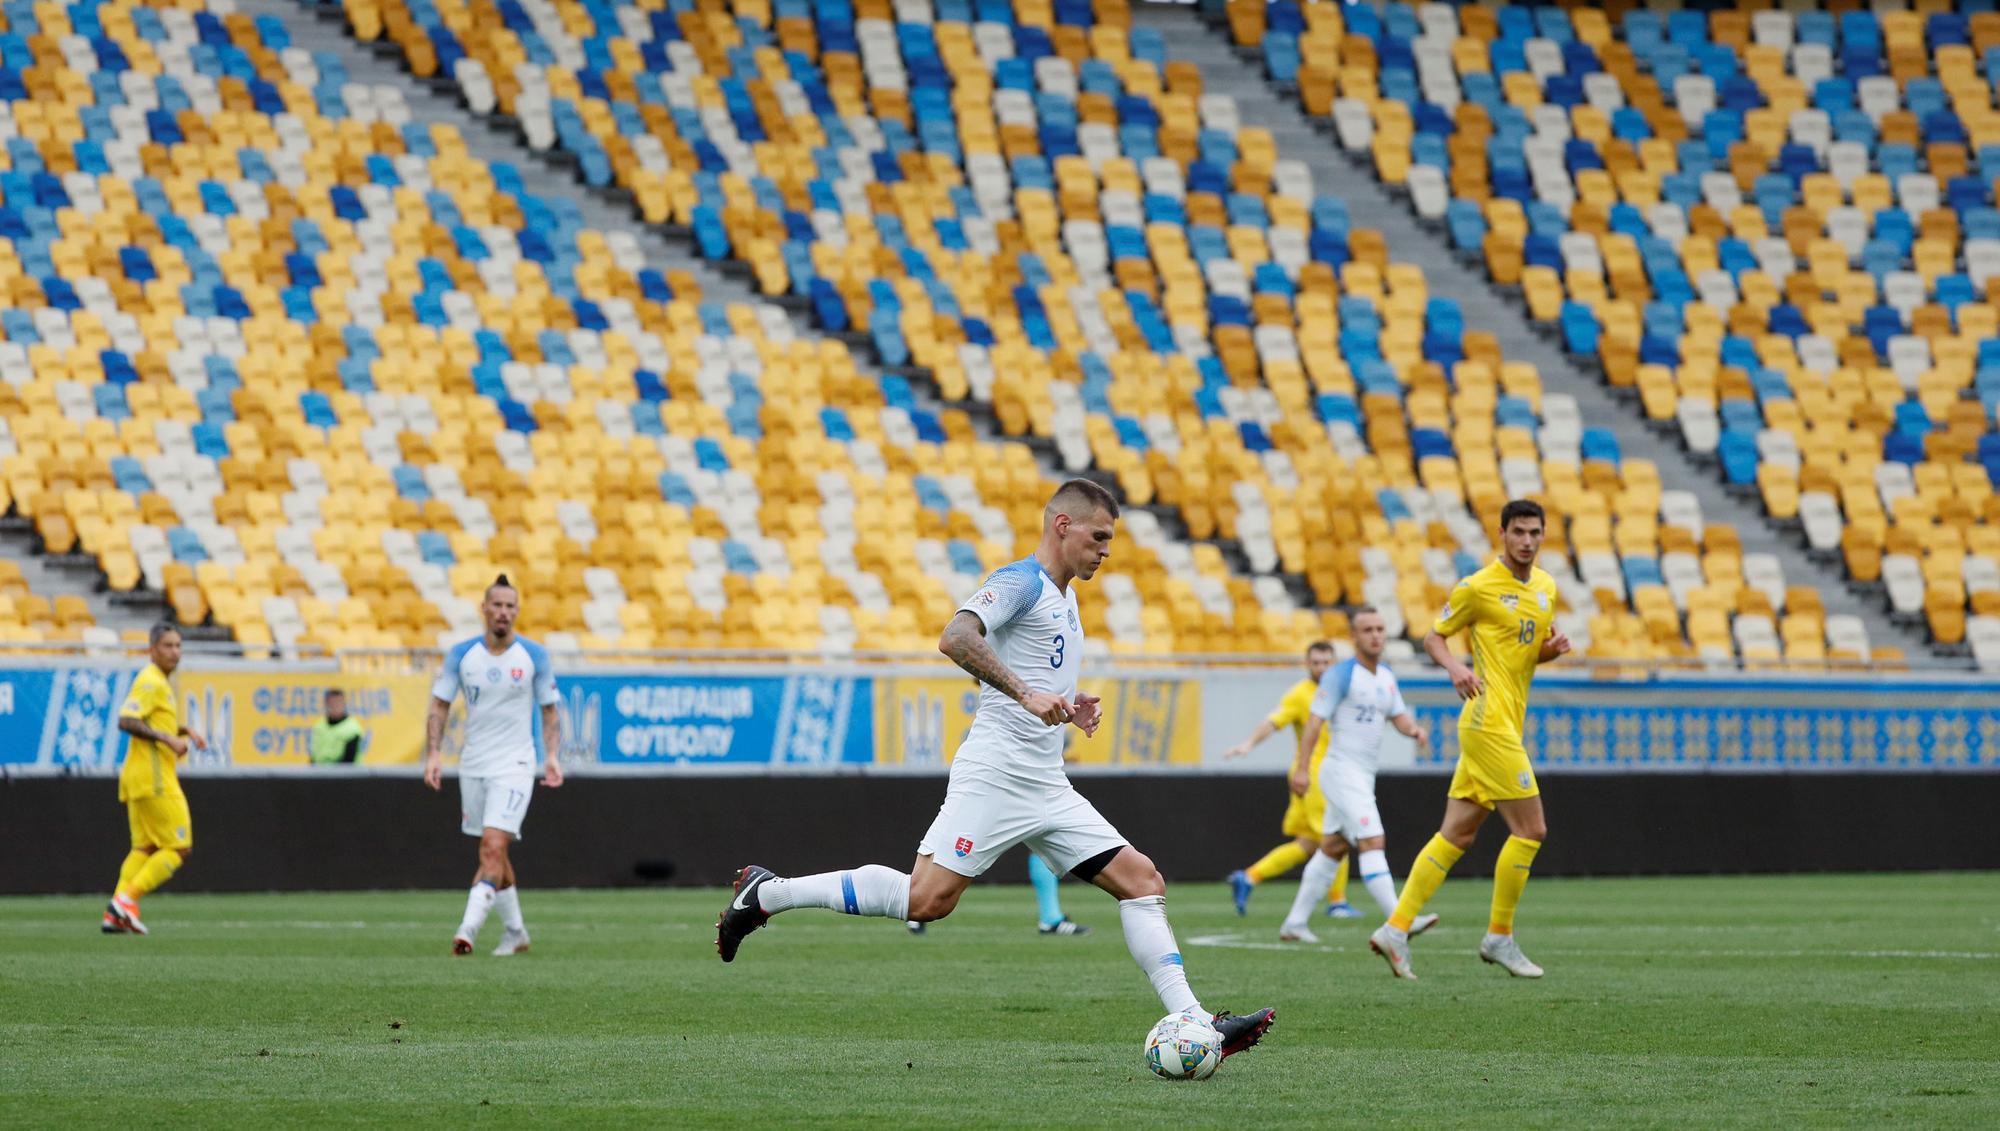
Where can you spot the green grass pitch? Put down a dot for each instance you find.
(1838, 1001)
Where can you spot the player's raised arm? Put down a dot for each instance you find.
(1258, 734)
(1556, 644)
(964, 641)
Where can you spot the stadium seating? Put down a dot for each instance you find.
(313, 372)
(1776, 228)
(1031, 202)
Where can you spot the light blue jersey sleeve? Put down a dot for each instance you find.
(1011, 591)
(545, 673)
(1333, 688)
(446, 686)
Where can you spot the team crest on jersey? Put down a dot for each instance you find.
(516, 673)
(1073, 626)
(1510, 600)
(963, 847)
(1544, 599)
(985, 598)
(493, 675)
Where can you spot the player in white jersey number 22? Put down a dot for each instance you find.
(1020, 636)
(504, 677)
(1357, 697)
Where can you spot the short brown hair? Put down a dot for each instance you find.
(1522, 508)
(159, 632)
(1074, 493)
(1318, 646)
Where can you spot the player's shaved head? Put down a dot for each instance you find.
(1077, 527)
(1370, 631)
(1080, 499)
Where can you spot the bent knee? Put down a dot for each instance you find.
(930, 907)
(1142, 879)
(1538, 833)
(1460, 840)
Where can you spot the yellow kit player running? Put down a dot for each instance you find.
(1304, 811)
(149, 784)
(1510, 609)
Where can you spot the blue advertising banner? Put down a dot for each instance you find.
(62, 716)
(795, 720)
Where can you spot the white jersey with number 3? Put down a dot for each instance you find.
(1357, 704)
(1033, 627)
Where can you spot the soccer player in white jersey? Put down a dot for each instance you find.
(1020, 636)
(504, 677)
(1357, 696)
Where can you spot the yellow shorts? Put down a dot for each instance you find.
(1304, 814)
(160, 822)
(1492, 767)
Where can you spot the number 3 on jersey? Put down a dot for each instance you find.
(1056, 658)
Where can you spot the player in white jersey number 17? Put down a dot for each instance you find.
(1357, 698)
(504, 678)
(1021, 637)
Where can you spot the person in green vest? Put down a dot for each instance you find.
(337, 737)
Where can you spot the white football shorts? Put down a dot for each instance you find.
(494, 803)
(984, 814)
(1350, 802)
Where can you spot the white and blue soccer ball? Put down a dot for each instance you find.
(1184, 1046)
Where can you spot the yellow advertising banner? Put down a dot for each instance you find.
(921, 720)
(266, 718)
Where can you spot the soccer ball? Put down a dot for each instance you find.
(1184, 1046)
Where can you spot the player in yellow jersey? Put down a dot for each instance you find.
(1304, 811)
(1509, 608)
(150, 785)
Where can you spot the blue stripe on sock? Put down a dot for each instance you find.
(1373, 876)
(1173, 959)
(847, 893)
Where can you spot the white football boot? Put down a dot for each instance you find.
(1297, 932)
(512, 942)
(1393, 945)
(1504, 952)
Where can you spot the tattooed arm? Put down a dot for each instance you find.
(964, 640)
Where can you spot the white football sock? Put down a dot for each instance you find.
(872, 889)
(1319, 874)
(477, 903)
(1150, 938)
(1375, 874)
(507, 901)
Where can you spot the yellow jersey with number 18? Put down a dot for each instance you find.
(149, 766)
(1508, 619)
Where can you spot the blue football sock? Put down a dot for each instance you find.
(1048, 903)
